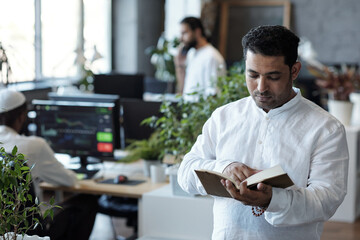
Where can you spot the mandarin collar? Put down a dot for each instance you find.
(285, 107)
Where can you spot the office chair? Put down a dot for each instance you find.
(121, 207)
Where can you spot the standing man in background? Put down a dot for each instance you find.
(198, 63)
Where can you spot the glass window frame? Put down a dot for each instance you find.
(39, 74)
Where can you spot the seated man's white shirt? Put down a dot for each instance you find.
(304, 139)
(38, 152)
(204, 66)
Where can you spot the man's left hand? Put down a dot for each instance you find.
(260, 197)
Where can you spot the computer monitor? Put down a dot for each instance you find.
(124, 85)
(80, 129)
(134, 111)
(85, 97)
(92, 97)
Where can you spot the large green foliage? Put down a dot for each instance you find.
(147, 149)
(15, 182)
(182, 122)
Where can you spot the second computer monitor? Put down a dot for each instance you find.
(124, 85)
(134, 111)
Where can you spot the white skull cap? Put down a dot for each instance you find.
(10, 99)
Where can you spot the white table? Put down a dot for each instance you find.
(349, 210)
(165, 216)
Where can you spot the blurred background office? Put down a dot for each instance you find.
(53, 50)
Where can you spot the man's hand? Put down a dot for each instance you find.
(180, 65)
(180, 58)
(239, 172)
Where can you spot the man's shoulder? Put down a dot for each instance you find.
(237, 106)
(214, 51)
(312, 107)
(33, 141)
(316, 114)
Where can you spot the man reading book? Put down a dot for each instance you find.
(274, 126)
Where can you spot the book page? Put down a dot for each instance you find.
(265, 174)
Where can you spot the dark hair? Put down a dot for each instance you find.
(194, 23)
(272, 41)
(9, 118)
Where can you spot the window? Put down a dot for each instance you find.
(17, 38)
(97, 34)
(175, 11)
(69, 32)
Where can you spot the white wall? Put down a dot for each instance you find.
(175, 11)
(137, 24)
(125, 32)
(331, 25)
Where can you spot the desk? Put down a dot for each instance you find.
(349, 210)
(166, 216)
(110, 170)
(92, 187)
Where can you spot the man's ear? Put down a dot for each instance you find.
(295, 69)
(23, 118)
(198, 32)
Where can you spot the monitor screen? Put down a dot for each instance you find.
(80, 129)
(92, 97)
(124, 85)
(134, 111)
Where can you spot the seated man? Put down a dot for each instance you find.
(82, 208)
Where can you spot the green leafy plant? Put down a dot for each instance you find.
(19, 212)
(182, 122)
(148, 149)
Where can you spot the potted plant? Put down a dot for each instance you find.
(163, 60)
(340, 83)
(182, 121)
(150, 150)
(19, 211)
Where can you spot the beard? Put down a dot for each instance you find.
(273, 100)
(190, 45)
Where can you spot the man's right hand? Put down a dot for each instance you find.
(180, 58)
(239, 172)
(180, 65)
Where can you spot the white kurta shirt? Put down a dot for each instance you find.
(204, 65)
(38, 152)
(304, 139)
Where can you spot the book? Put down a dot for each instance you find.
(274, 176)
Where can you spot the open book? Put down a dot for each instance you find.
(274, 176)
